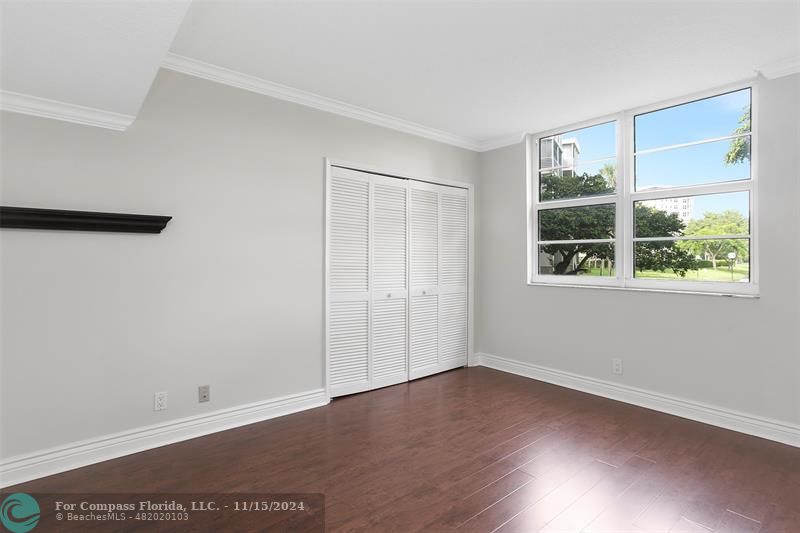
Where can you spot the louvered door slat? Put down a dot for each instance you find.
(424, 332)
(453, 326)
(424, 237)
(389, 351)
(454, 239)
(349, 235)
(349, 342)
(389, 236)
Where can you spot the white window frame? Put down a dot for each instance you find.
(624, 199)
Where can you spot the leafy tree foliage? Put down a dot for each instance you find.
(598, 222)
(661, 255)
(572, 185)
(728, 222)
(739, 150)
(586, 222)
(609, 173)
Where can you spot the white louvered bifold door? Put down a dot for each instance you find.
(438, 217)
(348, 230)
(397, 270)
(424, 279)
(367, 333)
(453, 275)
(389, 282)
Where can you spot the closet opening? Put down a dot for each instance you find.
(398, 277)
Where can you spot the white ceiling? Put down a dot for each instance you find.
(102, 55)
(489, 69)
(473, 73)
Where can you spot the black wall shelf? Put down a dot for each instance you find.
(56, 219)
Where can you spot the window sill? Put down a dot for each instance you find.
(748, 295)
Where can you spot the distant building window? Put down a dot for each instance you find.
(677, 215)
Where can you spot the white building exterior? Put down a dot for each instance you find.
(559, 154)
(683, 207)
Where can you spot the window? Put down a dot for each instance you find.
(656, 198)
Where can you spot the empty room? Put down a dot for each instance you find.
(400, 266)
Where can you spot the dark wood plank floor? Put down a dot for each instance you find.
(480, 450)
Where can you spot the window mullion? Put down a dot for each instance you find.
(582, 201)
(575, 241)
(532, 183)
(755, 239)
(626, 205)
(692, 143)
(692, 190)
(727, 236)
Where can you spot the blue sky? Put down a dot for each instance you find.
(704, 163)
(738, 201)
(695, 121)
(596, 142)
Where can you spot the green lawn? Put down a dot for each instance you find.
(604, 273)
(722, 273)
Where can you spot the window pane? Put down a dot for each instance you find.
(579, 259)
(579, 162)
(726, 260)
(694, 165)
(577, 223)
(710, 214)
(591, 179)
(709, 118)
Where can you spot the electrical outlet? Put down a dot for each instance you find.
(617, 366)
(160, 401)
(204, 393)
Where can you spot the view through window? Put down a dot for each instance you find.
(683, 205)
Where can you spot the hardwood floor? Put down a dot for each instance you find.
(477, 450)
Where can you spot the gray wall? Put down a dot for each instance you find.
(230, 294)
(741, 354)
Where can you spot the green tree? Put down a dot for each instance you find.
(598, 222)
(739, 150)
(585, 222)
(571, 185)
(728, 222)
(660, 255)
(609, 173)
(663, 256)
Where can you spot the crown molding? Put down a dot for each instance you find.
(201, 69)
(781, 68)
(43, 107)
(501, 142)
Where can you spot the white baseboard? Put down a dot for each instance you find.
(716, 416)
(22, 468)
